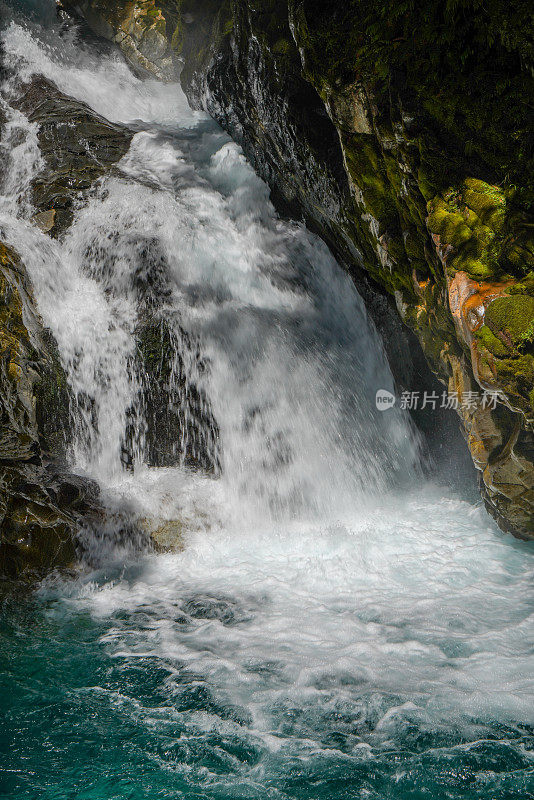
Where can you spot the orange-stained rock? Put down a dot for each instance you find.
(468, 300)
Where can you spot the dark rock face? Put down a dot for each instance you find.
(180, 427)
(403, 135)
(41, 505)
(77, 145)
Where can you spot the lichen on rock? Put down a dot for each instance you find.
(139, 29)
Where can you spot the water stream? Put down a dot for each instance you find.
(339, 624)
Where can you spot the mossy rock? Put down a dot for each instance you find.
(516, 378)
(513, 318)
(177, 39)
(482, 230)
(489, 341)
(40, 504)
(52, 402)
(469, 66)
(486, 201)
(525, 286)
(506, 348)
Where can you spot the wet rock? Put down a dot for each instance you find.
(45, 220)
(78, 148)
(180, 427)
(501, 449)
(166, 535)
(40, 503)
(170, 421)
(138, 28)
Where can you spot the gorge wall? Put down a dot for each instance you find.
(402, 133)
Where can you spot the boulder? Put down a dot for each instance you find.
(139, 28)
(77, 145)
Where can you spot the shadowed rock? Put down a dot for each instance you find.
(41, 504)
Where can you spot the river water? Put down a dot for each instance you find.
(340, 621)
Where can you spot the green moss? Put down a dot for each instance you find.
(177, 40)
(514, 317)
(516, 376)
(369, 173)
(483, 229)
(468, 64)
(488, 340)
(227, 25)
(526, 286)
(487, 202)
(282, 47)
(450, 226)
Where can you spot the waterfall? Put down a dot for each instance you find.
(337, 624)
(272, 362)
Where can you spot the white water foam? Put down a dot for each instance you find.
(417, 601)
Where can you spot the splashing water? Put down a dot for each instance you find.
(335, 626)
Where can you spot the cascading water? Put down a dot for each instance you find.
(336, 625)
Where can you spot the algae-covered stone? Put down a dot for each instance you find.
(139, 28)
(513, 318)
(506, 348)
(473, 230)
(487, 339)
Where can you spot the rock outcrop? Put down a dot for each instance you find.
(402, 133)
(78, 147)
(144, 34)
(41, 504)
